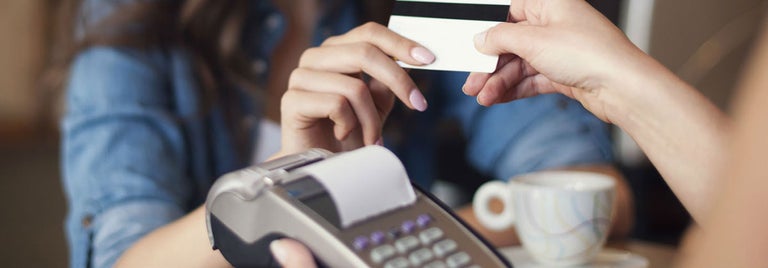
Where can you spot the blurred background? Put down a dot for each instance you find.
(704, 41)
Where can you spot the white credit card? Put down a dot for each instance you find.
(447, 28)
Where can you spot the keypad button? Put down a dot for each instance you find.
(360, 243)
(420, 256)
(406, 244)
(382, 253)
(444, 247)
(436, 264)
(398, 262)
(423, 220)
(377, 238)
(430, 235)
(408, 227)
(458, 260)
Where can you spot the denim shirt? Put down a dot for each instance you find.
(139, 151)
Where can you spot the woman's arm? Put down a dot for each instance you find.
(125, 163)
(182, 243)
(541, 133)
(736, 233)
(567, 47)
(682, 133)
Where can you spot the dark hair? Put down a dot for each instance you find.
(209, 30)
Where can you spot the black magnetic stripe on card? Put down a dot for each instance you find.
(451, 11)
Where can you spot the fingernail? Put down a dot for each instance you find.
(464, 88)
(278, 251)
(418, 101)
(480, 97)
(422, 55)
(480, 38)
(380, 142)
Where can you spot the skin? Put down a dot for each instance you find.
(717, 170)
(339, 110)
(342, 113)
(328, 104)
(567, 47)
(736, 235)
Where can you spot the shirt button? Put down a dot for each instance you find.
(87, 220)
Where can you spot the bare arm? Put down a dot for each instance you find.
(620, 228)
(736, 233)
(182, 243)
(683, 133)
(567, 47)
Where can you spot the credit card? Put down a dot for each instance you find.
(447, 28)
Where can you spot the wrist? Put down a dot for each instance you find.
(639, 90)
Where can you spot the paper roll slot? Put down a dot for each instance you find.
(363, 183)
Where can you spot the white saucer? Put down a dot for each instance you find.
(606, 258)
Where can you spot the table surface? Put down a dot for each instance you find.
(658, 255)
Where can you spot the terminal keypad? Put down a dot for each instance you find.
(415, 243)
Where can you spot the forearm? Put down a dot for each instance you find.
(182, 243)
(683, 134)
(736, 235)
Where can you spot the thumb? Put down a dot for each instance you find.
(509, 38)
(291, 254)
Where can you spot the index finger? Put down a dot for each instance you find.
(388, 41)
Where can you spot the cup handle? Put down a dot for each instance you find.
(491, 220)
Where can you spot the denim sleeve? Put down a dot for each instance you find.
(544, 132)
(123, 153)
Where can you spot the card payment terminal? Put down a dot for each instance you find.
(296, 196)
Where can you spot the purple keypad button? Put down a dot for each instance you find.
(377, 237)
(408, 227)
(360, 243)
(423, 220)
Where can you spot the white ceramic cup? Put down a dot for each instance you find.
(561, 217)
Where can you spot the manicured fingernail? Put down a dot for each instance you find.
(480, 98)
(480, 38)
(422, 55)
(278, 250)
(380, 142)
(418, 101)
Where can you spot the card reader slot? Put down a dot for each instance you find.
(310, 192)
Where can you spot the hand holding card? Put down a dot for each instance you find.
(447, 28)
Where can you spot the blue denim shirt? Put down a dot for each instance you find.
(139, 151)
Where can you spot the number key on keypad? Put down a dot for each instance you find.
(435, 264)
(444, 247)
(382, 253)
(420, 256)
(406, 244)
(458, 259)
(430, 235)
(398, 262)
